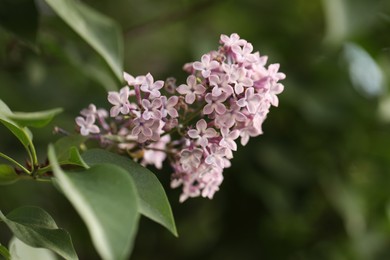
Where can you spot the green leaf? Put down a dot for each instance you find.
(153, 201)
(4, 109)
(22, 133)
(36, 227)
(4, 252)
(100, 32)
(22, 251)
(67, 151)
(34, 119)
(106, 199)
(7, 174)
(20, 17)
(64, 144)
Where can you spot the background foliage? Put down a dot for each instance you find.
(315, 185)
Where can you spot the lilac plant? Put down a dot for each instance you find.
(196, 125)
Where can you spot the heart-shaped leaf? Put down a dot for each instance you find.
(100, 32)
(36, 227)
(106, 199)
(7, 174)
(34, 119)
(153, 201)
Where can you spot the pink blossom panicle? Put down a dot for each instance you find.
(195, 126)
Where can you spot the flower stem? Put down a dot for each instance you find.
(15, 162)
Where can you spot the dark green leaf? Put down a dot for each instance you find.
(4, 252)
(20, 17)
(34, 119)
(153, 201)
(67, 151)
(106, 199)
(100, 32)
(7, 174)
(36, 227)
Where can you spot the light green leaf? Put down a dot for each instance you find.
(4, 109)
(100, 32)
(153, 201)
(21, 18)
(7, 174)
(4, 252)
(22, 251)
(67, 151)
(106, 199)
(36, 227)
(34, 119)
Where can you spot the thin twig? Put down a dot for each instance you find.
(15, 162)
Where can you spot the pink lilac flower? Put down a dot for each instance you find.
(214, 104)
(154, 153)
(169, 106)
(220, 85)
(238, 77)
(202, 133)
(206, 65)
(151, 109)
(244, 54)
(190, 159)
(216, 156)
(232, 40)
(228, 138)
(212, 180)
(131, 81)
(248, 131)
(191, 89)
(230, 117)
(152, 87)
(251, 101)
(87, 125)
(120, 101)
(146, 129)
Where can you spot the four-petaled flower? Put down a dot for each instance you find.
(244, 53)
(146, 129)
(120, 101)
(232, 40)
(151, 109)
(191, 89)
(216, 156)
(168, 106)
(87, 125)
(228, 138)
(202, 133)
(251, 100)
(215, 104)
(131, 81)
(151, 87)
(206, 65)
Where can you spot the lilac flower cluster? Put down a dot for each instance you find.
(196, 125)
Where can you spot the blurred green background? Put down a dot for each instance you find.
(316, 185)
